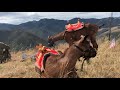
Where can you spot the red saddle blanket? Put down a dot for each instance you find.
(74, 27)
(40, 57)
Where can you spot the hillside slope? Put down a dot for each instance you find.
(20, 40)
(115, 33)
(28, 34)
(104, 65)
(45, 27)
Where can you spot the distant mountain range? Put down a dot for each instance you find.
(29, 33)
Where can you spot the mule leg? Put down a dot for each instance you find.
(4, 61)
(76, 75)
(72, 74)
(82, 65)
(38, 71)
(79, 59)
(88, 60)
(0, 61)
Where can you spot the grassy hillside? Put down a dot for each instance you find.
(104, 65)
(115, 32)
(18, 40)
(17, 69)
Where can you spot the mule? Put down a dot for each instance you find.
(63, 66)
(88, 29)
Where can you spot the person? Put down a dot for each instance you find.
(42, 50)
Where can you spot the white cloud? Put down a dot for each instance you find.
(4, 19)
(21, 17)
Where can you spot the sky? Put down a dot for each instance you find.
(22, 17)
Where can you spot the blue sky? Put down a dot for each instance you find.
(21, 17)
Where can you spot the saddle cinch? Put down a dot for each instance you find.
(74, 27)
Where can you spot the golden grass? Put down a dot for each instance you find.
(17, 69)
(105, 65)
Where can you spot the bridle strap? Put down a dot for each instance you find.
(78, 48)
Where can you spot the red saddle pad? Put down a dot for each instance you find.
(74, 27)
(40, 57)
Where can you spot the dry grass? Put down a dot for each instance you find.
(104, 65)
(17, 69)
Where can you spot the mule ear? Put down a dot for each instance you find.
(85, 38)
(82, 38)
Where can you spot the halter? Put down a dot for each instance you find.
(79, 48)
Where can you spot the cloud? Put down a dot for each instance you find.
(21, 17)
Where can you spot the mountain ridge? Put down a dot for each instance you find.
(40, 30)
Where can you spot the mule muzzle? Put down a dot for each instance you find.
(90, 53)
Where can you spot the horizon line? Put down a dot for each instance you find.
(55, 19)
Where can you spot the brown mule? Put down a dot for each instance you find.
(63, 66)
(89, 29)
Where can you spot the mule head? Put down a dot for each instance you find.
(50, 41)
(96, 27)
(82, 43)
(85, 45)
(92, 27)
